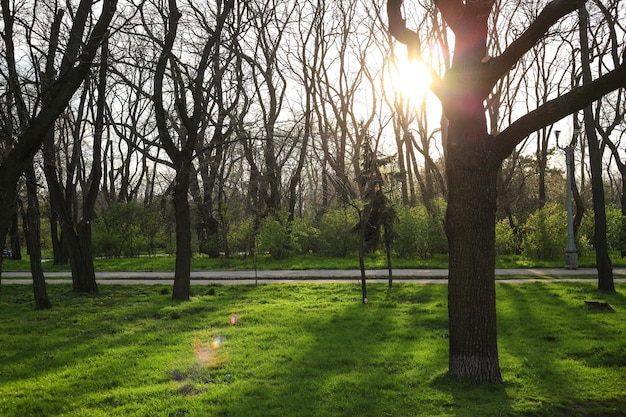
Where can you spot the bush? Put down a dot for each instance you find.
(614, 234)
(304, 236)
(419, 233)
(506, 241)
(241, 236)
(105, 244)
(545, 234)
(127, 229)
(336, 236)
(274, 236)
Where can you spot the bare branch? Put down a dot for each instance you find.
(551, 14)
(555, 110)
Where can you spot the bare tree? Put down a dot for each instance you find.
(76, 219)
(603, 261)
(53, 95)
(180, 128)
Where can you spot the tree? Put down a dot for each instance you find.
(180, 129)
(75, 64)
(76, 219)
(603, 261)
(33, 239)
(474, 157)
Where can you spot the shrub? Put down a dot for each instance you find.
(241, 236)
(545, 233)
(127, 229)
(336, 236)
(105, 244)
(419, 233)
(614, 234)
(506, 241)
(304, 236)
(274, 236)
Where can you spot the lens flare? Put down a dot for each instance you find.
(216, 342)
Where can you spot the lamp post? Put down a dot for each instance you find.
(571, 255)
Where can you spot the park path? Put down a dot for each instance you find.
(417, 276)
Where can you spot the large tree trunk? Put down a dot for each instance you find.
(470, 226)
(59, 251)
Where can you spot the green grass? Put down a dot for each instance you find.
(303, 350)
(296, 262)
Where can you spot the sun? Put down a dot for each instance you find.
(409, 79)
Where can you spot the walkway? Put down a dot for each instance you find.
(418, 276)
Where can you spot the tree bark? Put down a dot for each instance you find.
(182, 277)
(470, 227)
(33, 242)
(603, 260)
(16, 247)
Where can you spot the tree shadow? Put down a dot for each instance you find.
(388, 357)
(543, 339)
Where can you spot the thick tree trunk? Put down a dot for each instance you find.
(470, 226)
(182, 275)
(362, 268)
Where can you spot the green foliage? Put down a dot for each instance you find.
(105, 244)
(545, 234)
(506, 240)
(303, 350)
(614, 235)
(241, 236)
(274, 236)
(304, 236)
(420, 233)
(335, 232)
(128, 229)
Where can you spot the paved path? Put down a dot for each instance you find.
(420, 276)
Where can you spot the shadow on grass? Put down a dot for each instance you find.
(544, 338)
(303, 350)
(387, 358)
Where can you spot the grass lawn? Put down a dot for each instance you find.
(303, 350)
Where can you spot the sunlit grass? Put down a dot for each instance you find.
(296, 262)
(303, 350)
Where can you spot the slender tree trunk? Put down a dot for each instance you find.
(389, 264)
(362, 268)
(59, 251)
(603, 260)
(16, 247)
(623, 222)
(81, 261)
(33, 241)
